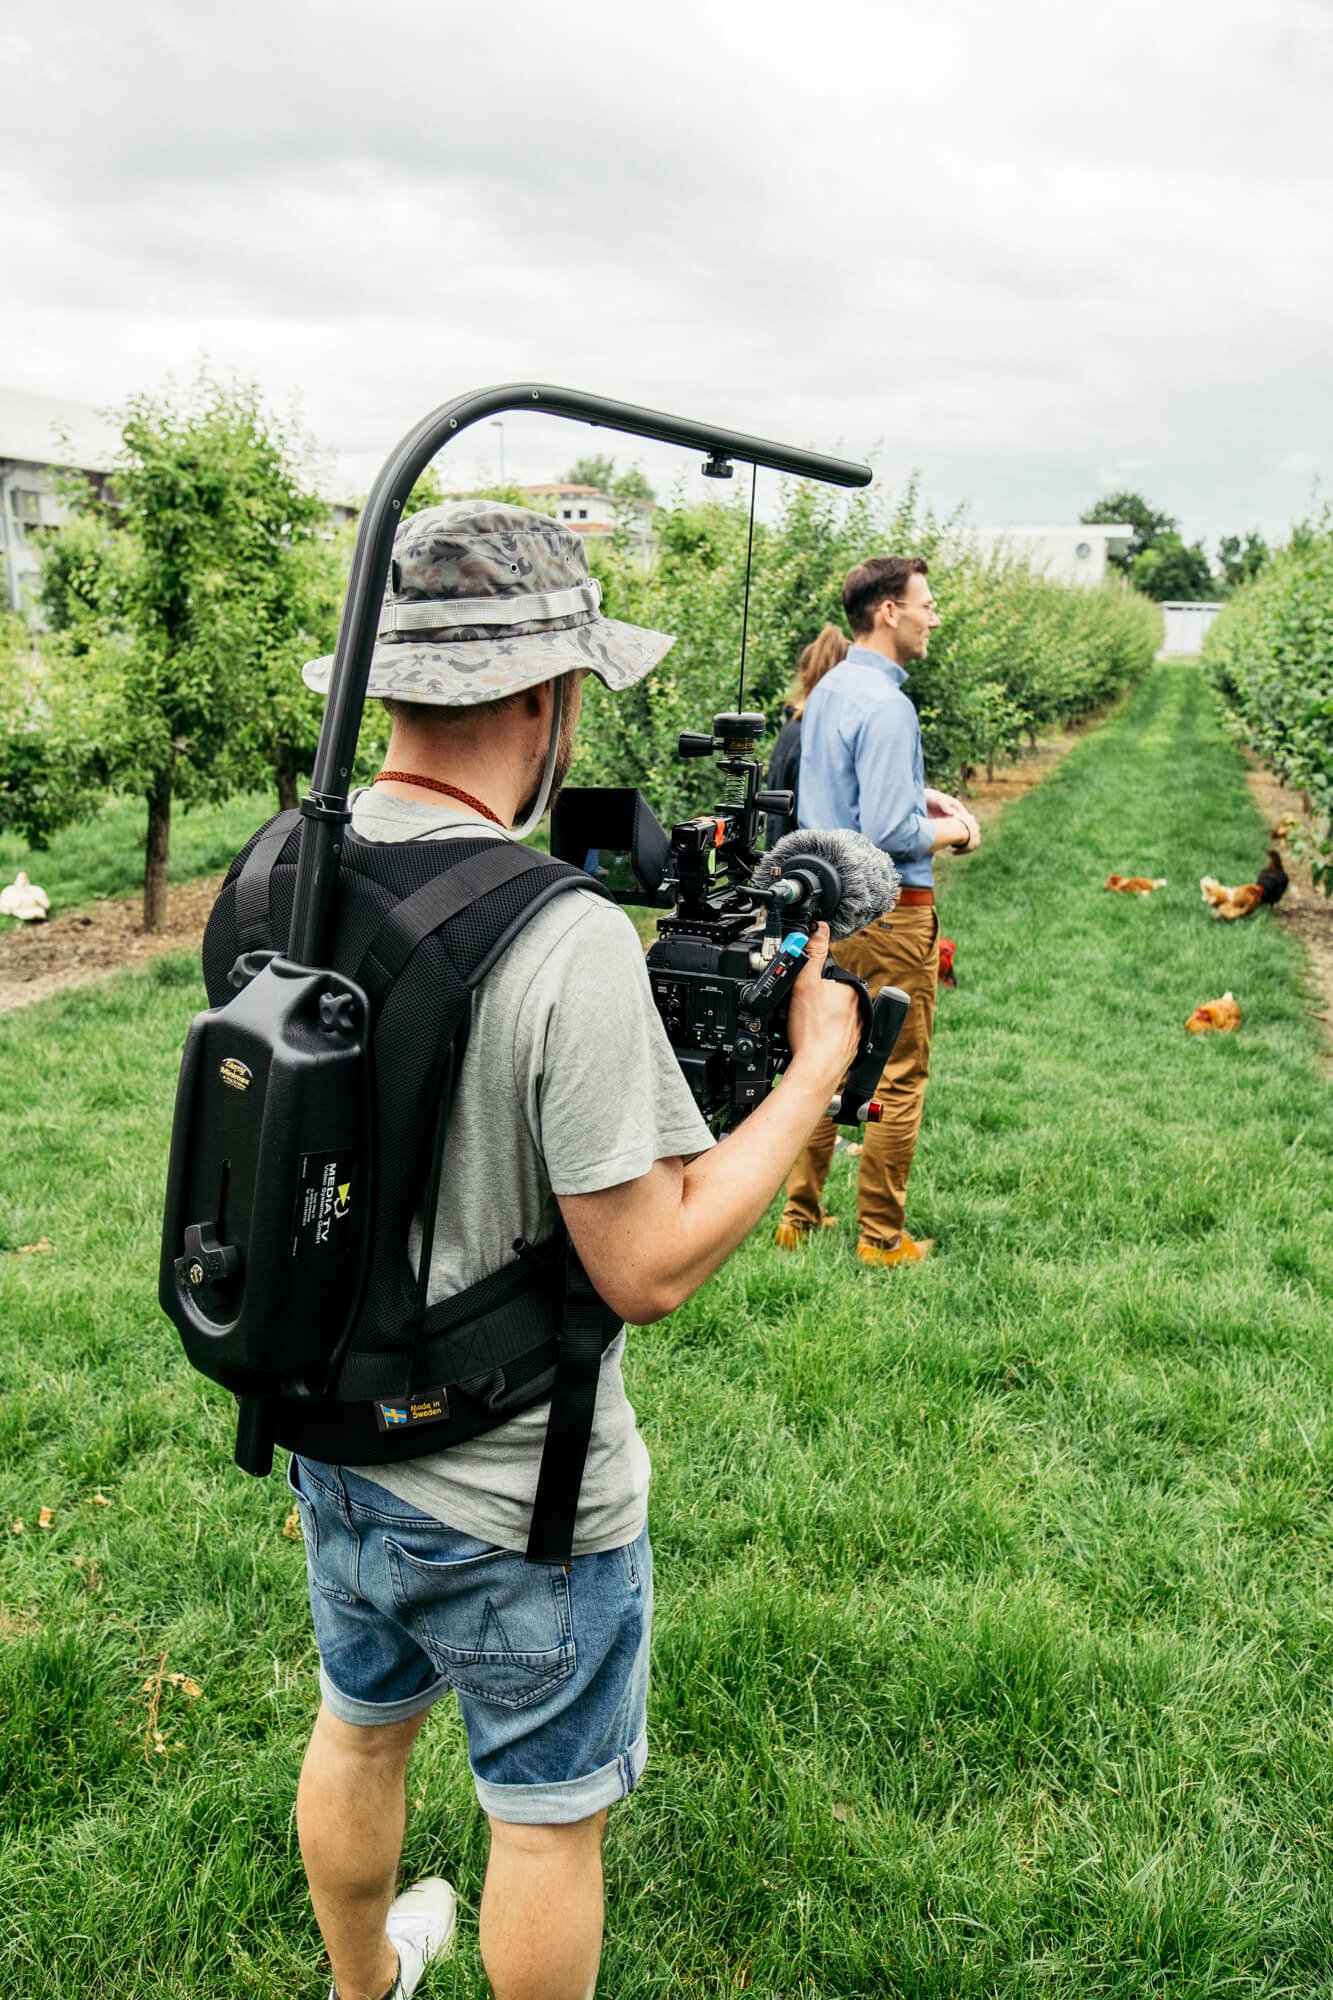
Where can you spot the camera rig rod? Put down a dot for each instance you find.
(325, 807)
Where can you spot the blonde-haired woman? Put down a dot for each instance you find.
(820, 657)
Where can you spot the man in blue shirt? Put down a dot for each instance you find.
(861, 767)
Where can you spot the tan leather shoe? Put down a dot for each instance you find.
(791, 1235)
(886, 1255)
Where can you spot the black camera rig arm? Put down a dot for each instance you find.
(324, 809)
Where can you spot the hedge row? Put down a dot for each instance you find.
(1014, 654)
(1270, 656)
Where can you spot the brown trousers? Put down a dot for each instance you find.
(898, 950)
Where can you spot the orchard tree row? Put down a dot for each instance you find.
(1270, 655)
(179, 609)
(177, 615)
(1014, 654)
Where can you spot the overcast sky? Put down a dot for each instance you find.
(1037, 250)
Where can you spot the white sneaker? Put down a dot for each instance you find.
(420, 1927)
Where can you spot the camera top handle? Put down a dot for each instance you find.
(324, 809)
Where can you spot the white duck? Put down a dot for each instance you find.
(24, 900)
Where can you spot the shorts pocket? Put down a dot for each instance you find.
(332, 1549)
(496, 1627)
(309, 1522)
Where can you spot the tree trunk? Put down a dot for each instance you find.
(284, 770)
(158, 853)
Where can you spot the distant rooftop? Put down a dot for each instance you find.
(50, 430)
(1107, 531)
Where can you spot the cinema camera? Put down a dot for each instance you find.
(724, 961)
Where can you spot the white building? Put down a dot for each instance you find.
(41, 439)
(1065, 555)
(594, 514)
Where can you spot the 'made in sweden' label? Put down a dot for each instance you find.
(327, 1191)
(423, 1406)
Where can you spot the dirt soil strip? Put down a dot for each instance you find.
(77, 947)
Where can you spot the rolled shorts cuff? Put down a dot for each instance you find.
(374, 1714)
(563, 1804)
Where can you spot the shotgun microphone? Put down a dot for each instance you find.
(830, 874)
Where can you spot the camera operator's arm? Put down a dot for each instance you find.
(649, 1243)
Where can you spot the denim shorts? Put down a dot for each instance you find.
(550, 1665)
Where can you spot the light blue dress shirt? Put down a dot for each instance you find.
(861, 763)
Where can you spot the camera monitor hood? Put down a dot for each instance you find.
(324, 809)
(612, 833)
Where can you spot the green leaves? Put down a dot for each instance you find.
(1270, 656)
(179, 614)
(1173, 571)
(1132, 510)
(1015, 653)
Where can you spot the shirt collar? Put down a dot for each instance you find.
(427, 817)
(865, 656)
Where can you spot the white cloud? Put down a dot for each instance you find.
(1019, 245)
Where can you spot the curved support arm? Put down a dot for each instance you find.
(325, 807)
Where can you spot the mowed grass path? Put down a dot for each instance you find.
(994, 1640)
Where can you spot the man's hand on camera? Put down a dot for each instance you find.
(649, 1243)
(824, 1022)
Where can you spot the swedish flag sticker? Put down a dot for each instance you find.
(422, 1406)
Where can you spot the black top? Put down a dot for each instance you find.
(783, 772)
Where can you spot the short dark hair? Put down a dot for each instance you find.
(420, 714)
(866, 586)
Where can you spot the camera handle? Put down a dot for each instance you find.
(881, 1024)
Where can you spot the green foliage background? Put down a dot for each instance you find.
(178, 612)
(1270, 655)
(1014, 654)
(178, 631)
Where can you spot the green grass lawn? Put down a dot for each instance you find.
(104, 855)
(994, 1648)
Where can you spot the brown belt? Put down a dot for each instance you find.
(906, 897)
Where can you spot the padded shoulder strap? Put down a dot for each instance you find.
(254, 917)
(588, 1326)
(456, 887)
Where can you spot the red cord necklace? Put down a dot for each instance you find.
(438, 785)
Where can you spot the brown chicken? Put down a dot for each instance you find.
(1241, 902)
(1215, 1016)
(1135, 885)
(947, 975)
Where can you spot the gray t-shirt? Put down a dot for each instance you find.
(568, 1086)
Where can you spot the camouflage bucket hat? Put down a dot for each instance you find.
(485, 600)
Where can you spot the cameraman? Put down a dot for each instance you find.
(569, 1106)
(861, 768)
